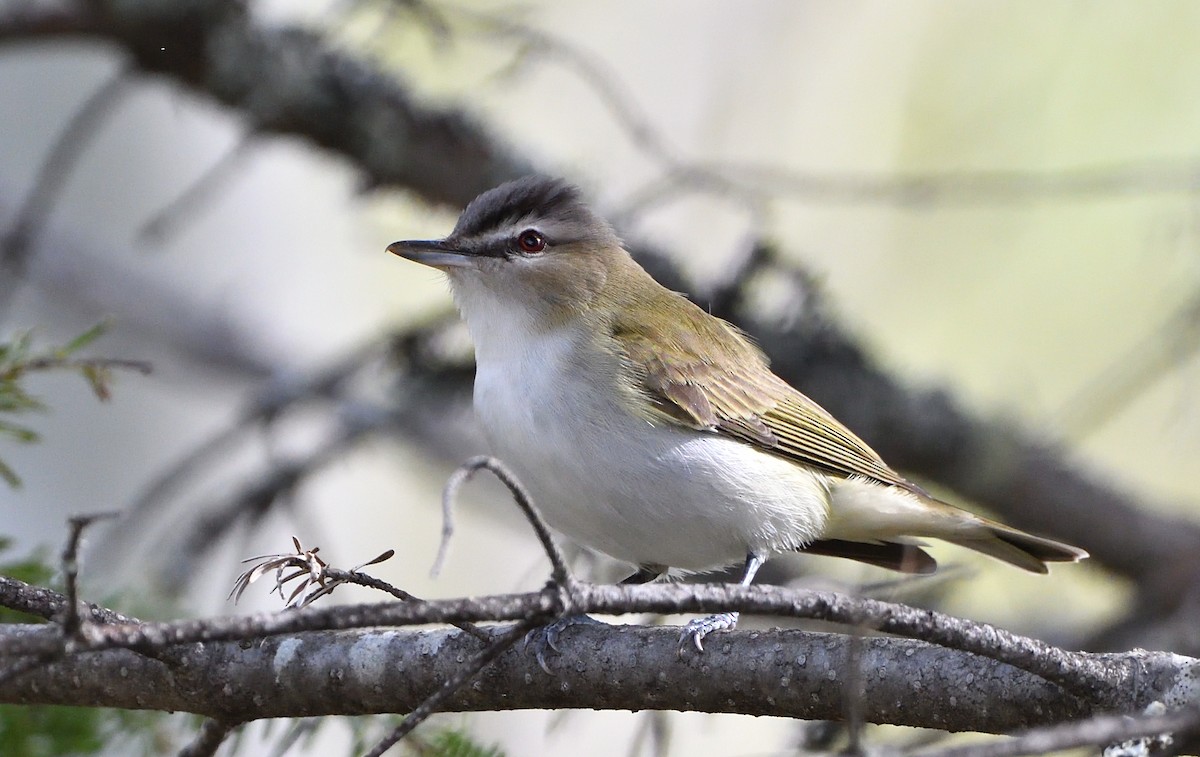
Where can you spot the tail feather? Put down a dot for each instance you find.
(1017, 548)
(906, 558)
(864, 512)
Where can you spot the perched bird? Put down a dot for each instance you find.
(649, 430)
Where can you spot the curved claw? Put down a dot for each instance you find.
(696, 630)
(546, 637)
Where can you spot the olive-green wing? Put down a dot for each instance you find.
(741, 398)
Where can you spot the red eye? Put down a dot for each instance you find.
(531, 241)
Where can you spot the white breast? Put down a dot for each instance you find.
(641, 492)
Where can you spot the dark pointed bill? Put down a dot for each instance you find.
(432, 252)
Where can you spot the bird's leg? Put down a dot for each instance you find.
(546, 637)
(696, 630)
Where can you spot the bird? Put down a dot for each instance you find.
(648, 429)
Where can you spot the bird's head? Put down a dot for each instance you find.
(530, 245)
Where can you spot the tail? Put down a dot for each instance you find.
(1015, 547)
(901, 556)
(881, 522)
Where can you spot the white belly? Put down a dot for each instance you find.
(644, 493)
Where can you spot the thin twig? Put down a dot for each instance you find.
(167, 219)
(756, 254)
(53, 174)
(468, 670)
(311, 570)
(362, 579)
(282, 393)
(591, 69)
(1100, 730)
(653, 732)
(457, 479)
(640, 129)
(49, 604)
(212, 734)
(560, 574)
(1132, 374)
(47, 363)
(298, 729)
(71, 622)
(689, 179)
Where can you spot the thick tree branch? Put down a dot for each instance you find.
(792, 674)
(286, 80)
(1123, 683)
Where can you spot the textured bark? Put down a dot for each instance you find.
(287, 81)
(978, 677)
(780, 673)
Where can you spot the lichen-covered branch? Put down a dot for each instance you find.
(1086, 682)
(792, 674)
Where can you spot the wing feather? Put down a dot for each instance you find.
(741, 397)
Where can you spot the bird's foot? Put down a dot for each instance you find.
(696, 630)
(546, 637)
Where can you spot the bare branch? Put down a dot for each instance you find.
(371, 582)
(71, 622)
(1101, 682)
(591, 70)
(286, 82)
(1001, 187)
(1099, 730)
(1094, 678)
(560, 574)
(206, 743)
(435, 700)
(785, 673)
(1129, 376)
(311, 571)
(166, 220)
(281, 393)
(48, 604)
(24, 20)
(56, 169)
(753, 183)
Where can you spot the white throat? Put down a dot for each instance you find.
(502, 326)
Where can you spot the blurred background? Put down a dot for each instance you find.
(994, 200)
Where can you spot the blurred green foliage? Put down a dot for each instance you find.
(454, 743)
(34, 569)
(427, 741)
(18, 359)
(43, 731)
